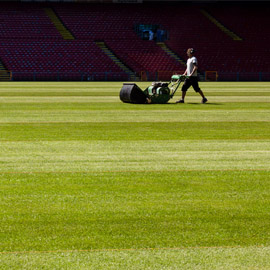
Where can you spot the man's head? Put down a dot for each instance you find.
(190, 52)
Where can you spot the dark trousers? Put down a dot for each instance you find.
(191, 81)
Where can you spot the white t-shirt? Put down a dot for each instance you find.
(190, 65)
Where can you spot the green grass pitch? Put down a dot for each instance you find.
(88, 182)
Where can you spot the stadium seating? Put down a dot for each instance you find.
(51, 56)
(115, 24)
(216, 50)
(29, 42)
(20, 21)
(251, 23)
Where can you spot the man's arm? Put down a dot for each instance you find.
(185, 73)
(194, 69)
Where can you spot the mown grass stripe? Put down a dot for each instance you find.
(160, 176)
(124, 249)
(135, 171)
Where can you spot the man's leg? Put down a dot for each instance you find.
(197, 89)
(185, 87)
(201, 93)
(184, 94)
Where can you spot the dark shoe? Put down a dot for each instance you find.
(204, 100)
(180, 101)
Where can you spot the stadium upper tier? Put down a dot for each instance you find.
(31, 41)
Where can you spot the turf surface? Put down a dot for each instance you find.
(88, 182)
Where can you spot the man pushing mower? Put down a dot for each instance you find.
(162, 92)
(192, 77)
(156, 93)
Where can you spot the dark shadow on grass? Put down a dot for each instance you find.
(179, 104)
(205, 104)
(194, 103)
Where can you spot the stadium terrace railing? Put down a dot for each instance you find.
(161, 75)
(243, 76)
(123, 76)
(214, 76)
(71, 76)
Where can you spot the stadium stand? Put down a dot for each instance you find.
(218, 51)
(20, 21)
(115, 26)
(53, 56)
(252, 24)
(30, 44)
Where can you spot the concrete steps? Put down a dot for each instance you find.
(117, 61)
(4, 74)
(171, 53)
(221, 26)
(64, 32)
(176, 57)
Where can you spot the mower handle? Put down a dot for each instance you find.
(175, 82)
